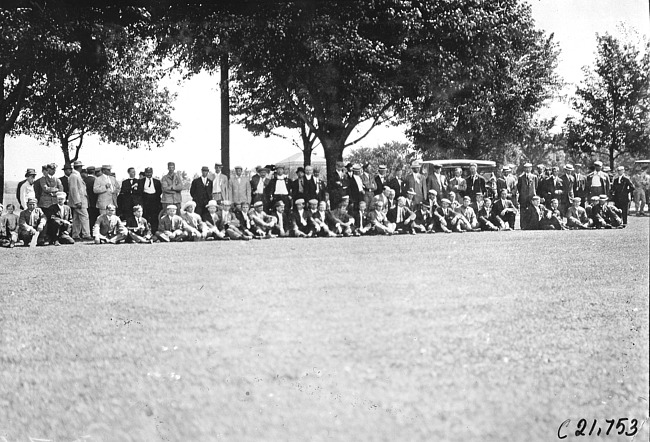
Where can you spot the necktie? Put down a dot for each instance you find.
(149, 179)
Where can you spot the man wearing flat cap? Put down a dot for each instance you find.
(25, 189)
(78, 202)
(239, 187)
(622, 191)
(438, 182)
(418, 183)
(105, 187)
(150, 193)
(59, 221)
(172, 227)
(220, 184)
(526, 190)
(48, 185)
(577, 216)
(31, 224)
(201, 190)
(597, 181)
(172, 185)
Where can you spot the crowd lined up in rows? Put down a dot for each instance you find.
(89, 204)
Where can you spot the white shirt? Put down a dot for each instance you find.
(26, 192)
(595, 182)
(303, 221)
(148, 186)
(280, 186)
(260, 185)
(359, 181)
(205, 180)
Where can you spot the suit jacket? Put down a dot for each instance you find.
(552, 187)
(447, 214)
(325, 217)
(201, 193)
(64, 183)
(420, 187)
(578, 213)
(271, 187)
(458, 185)
(254, 184)
(105, 196)
(369, 183)
(532, 217)
(108, 226)
(90, 185)
(22, 204)
(129, 196)
(286, 221)
(568, 185)
(157, 185)
(604, 179)
(475, 184)
(245, 221)
(376, 217)
(171, 188)
(139, 226)
(295, 191)
(220, 182)
(35, 218)
(46, 188)
(622, 189)
(57, 215)
(580, 186)
(527, 186)
(500, 205)
(380, 183)
(356, 193)
(297, 221)
(172, 224)
(392, 214)
(439, 186)
(400, 188)
(78, 193)
(313, 189)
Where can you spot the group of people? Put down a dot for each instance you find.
(90, 204)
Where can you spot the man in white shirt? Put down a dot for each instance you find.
(27, 189)
(78, 201)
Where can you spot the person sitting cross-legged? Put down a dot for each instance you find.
(263, 223)
(612, 214)
(361, 221)
(504, 211)
(446, 216)
(577, 216)
(197, 230)
(9, 227)
(552, 219)
(171, 227)
(282, 225)
(344, 222)
(423, 221)
(212, 220)
(301, 227)
(402, 217)
(468, 221)
(485, 217)
(323, 219)
(245, 224)
(59, 223)
(138, 227)
(108, 228)
(379, 221)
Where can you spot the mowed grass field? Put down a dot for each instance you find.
(461, 337)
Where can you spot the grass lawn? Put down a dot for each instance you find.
(461, 337)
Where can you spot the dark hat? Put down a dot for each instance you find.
(30, 172)
(300, 169)
(263, 169)
(90, 169)
(437, 166)
(348, 166)
(205, 169)
(148, 169)
(67, 166)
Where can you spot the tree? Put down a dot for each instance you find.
(393, 155)
(613, 101)
(340, 64)
(120, 100)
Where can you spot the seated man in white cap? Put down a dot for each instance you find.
(577, 216)
(139, 229)
(171, 226)
(410, 194)
(432, 200)
(108, 228)
(402, 217)
(552, 219)
(263, 223)
(344, 222)
(196, 228)
(301, 226)
(31, 224)
(59, 222)
(379, 220)
(282, 225)
(213, 220)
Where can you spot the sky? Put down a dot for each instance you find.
(196, 142)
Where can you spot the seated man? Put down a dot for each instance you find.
(212, 218)
(532, 215)
(281, 226)
(410, 195)
(197, 230)
(245, 224)
(612, 214)
(139, 229)
(597, 213)
(577, 216)
(324, 220)
(171, 226)
(402, 217)
(361, 221)
(589, 205)
(263, 223)
(468, 221)
(59, 221)
(552, 219)
(504, 211)
(344, 222)
(379, 221)
(301, 227)
(445, 217)
(31, 224)
(432, 200)
(485, 217)
(108, 228)
(9, 227)
(423, 222)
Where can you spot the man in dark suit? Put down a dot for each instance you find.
(59, 221)
(298, 186)
(438, 182)
(398, 183)
(67, 170)
(381, 179)
(313, 188)
(526, 190)
(258, 186)
(531, 217)
(402, 216)
(361, 220)
(568, 186)
(622, 190)
(339, 187)
(300, 225)
(88, 175)
(356, 189)
(505, 209)
(150, 192)
(201, 190)
(553, 187)
(475, 183)
(129, 195)
(580, 185)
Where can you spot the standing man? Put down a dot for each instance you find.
(641, 181)
(509, 182)
(298, 185)
(88, 174)
(67, 170)
(554, 187)
(381, 180)
(321, 187)
(259, 183)
(369, 183)
(580, 187)
(457, 184)
(105, 187)
(438, 182)
(475, 183)
(219, 184)
(129, 195)
(597, 181)
(357, 190)
(278, 189)
(568, 186)
(418, 183)
(622, 190)
(526, 187)
(172, 185)
(150, 193)
(339, 187)
(78, 201)
(201, 191)
(26, 189)
(48, 186)
(239, 187)
(312, 185)
(398, 184)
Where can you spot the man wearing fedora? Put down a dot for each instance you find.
(150, 193)
(219, 184)
(78, 201)
(25, 189)
(438, 182)
(597, 181)
(417, 182)
(105, 187)
(201, 190)
(48, 186)
(622, 191)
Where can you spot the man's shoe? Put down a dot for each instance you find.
(56, 243)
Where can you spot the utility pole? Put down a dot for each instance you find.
(225, 115)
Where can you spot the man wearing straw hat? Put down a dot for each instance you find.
(105, 187)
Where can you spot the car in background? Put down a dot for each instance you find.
(484, 167)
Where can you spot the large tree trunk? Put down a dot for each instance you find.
(2, 166)
(307, 149)
(333, 148)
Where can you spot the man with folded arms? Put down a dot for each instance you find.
(109, 228)
(344, 222)
(172, 185)
(402, 217)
